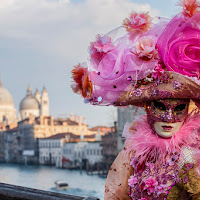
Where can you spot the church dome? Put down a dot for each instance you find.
(29, 102)
(5, 97)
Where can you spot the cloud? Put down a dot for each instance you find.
(63, 27)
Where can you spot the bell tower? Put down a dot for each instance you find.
(44, 103)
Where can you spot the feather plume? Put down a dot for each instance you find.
(143, 142)
(190, 7)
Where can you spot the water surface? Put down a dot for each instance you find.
(43, 178)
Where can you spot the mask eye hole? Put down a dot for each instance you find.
(159, 105)
(180, 107)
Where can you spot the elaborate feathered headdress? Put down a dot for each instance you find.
(150, 61)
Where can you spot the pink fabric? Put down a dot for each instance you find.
(122, 62)
(179, 45)
(144, 142)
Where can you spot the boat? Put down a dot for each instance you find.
(61, 185)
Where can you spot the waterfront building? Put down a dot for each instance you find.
(12, 145)
(81, 154)
(50, 150)
(33, 128)
(7, 108)
(20, 136)
(69, 150)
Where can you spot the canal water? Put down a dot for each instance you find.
(43, 178)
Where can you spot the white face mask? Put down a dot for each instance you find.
(167, 129)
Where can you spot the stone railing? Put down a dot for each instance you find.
(13, 192)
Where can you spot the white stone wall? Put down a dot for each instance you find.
(29, 112)
(92, 151)
(7, 112)
(50, 151)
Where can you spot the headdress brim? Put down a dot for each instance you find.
(176, 86)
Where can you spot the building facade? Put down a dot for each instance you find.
(69, 151)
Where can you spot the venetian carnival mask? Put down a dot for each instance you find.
(167, 116)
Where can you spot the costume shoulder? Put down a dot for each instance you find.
(116, 187)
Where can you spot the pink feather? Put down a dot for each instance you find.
(142, 142)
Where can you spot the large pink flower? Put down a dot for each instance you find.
(179, 46)
(150, 185)
(100, 48)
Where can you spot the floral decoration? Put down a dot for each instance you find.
(138, 92)
(150, 185)
(179, 47)
(132, 181)
(100, 48)
(82, 85)
(138, 21)
(177, 85)
(145, 48)
(156, 74)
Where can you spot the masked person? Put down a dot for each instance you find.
(155, 66)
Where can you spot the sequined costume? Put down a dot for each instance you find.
(176, 177)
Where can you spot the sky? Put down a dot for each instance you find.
(41, 41)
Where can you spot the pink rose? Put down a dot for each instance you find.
(179, 46)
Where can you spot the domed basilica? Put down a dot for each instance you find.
(31, 105)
